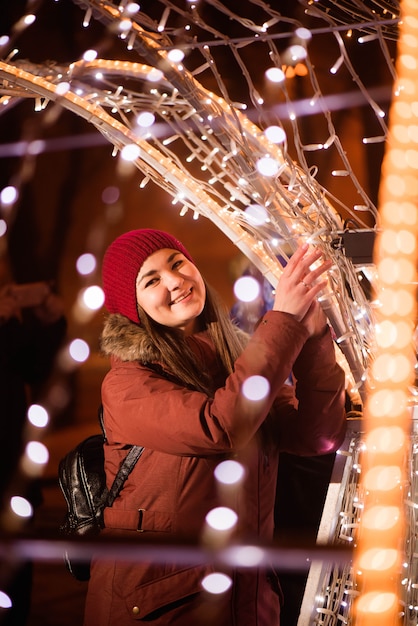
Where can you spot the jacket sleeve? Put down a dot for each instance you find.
(309, 416)
(144, 408)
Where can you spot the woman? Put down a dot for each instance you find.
(178, 366)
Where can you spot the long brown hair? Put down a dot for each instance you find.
(175, 354)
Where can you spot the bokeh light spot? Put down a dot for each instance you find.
(247, 288)
(38, 415)
(256, 388)
(216, 583)
(229, 472)
(21, 507)
(221, 518)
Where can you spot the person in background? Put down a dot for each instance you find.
(32, 328)
(179, 367)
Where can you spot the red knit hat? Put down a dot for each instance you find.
(122, 261)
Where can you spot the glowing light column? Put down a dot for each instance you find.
(379, 552)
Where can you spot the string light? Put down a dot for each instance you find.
(379, 553)
(334, 69)
(187, 186)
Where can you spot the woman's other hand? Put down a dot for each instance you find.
(299, 286)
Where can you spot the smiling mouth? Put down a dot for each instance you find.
(181, 298)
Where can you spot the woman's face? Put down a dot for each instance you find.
(170, 289)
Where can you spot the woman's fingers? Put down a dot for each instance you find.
(294, 264)
(298, 267)
(312, 276)
(299, 284)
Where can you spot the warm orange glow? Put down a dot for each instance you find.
(378, 559)
(381, 518)
(400, 302)
(387, 439)
(382, 478)
(388, 402)
(381, 540)
(376, 604)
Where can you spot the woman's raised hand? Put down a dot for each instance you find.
(298, 287)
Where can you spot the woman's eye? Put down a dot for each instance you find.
(177, 264)
(150, 282)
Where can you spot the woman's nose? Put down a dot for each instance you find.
(172, 280)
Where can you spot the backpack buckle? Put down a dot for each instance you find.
(140, 519)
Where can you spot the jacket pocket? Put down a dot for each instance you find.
(166, 593)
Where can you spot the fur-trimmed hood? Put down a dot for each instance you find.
(126, 341)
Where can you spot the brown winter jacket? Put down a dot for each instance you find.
(186, 434)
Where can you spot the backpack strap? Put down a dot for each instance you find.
(101, 421)
(124, 470)
(123, 473)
